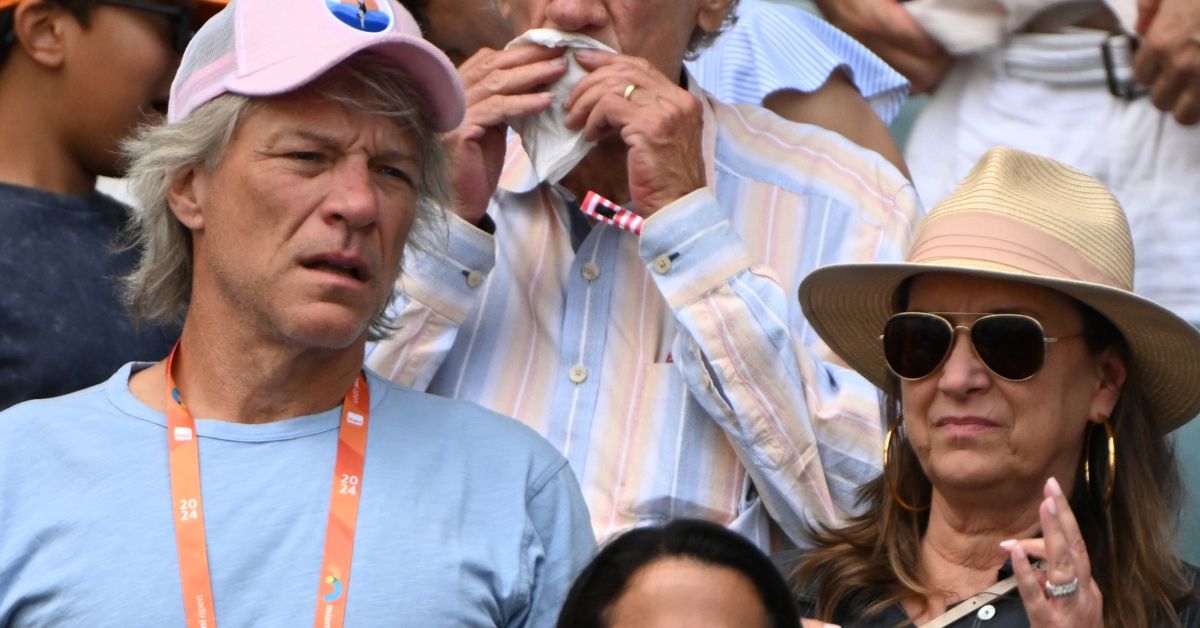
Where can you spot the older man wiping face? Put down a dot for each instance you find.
(626, 300)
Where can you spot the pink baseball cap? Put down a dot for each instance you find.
(269, 47)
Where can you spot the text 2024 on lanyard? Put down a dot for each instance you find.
(184, 454)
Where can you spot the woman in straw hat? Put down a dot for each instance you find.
(1027, 475)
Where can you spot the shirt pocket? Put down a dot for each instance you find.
(676, 461)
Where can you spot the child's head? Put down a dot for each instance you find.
(88, 72)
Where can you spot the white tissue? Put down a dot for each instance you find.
(554, 149)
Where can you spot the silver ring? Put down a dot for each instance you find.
(629, 91)
(1062, 590)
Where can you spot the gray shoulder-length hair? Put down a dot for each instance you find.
(159, 288)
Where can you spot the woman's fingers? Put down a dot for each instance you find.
(1069, 533)
(1065, 594)
(1060, 564)
(1029, 584)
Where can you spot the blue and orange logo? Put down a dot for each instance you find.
(370, 16)
(335, 584)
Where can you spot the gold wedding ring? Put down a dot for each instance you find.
(629, 91)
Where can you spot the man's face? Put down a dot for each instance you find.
(299, 230)
(462, 27)
(656, 30)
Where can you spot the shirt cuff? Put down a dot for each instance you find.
(691, 248)
(446, 273)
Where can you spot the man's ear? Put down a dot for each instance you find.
(41, 31)
(711, 14)
(184, 194)
(1111, 373)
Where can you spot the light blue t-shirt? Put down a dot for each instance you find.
(467, 518)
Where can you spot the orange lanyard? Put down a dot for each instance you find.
(184, 454)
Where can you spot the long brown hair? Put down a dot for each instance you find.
(874, 559)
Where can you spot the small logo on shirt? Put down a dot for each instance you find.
(369, 16)
(354, 418)
(183, 433)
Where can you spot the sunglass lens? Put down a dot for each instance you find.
(914, 344)
(1012, 346)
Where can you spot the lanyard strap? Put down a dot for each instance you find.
(184, 454)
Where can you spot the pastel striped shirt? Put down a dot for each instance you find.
(774, 47)
(674, 371)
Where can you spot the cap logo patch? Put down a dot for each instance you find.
(369, 16)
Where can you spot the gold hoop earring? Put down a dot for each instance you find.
(1111, 474)
(887, 451)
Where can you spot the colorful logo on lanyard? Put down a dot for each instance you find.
(370, 16)
(335, 584)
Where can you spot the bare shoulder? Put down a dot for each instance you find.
(803, 157)
(839, 107)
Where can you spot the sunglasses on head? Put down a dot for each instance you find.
(1013, 346)
(181, 18)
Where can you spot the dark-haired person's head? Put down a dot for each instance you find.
(79, 76)
(685, 572)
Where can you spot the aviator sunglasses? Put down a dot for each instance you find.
(1013, 346)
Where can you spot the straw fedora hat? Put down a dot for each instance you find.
(1026, 218)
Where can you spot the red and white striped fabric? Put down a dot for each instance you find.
(605, 210)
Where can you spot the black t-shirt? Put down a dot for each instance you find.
(62, 324)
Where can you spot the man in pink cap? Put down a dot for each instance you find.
(259, 476)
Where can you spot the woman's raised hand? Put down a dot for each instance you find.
(1064, 595)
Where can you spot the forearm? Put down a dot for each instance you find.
(839, 107)
(807, 433)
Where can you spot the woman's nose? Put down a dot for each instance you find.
(963, 371)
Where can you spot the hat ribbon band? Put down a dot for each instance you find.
(1007, 242)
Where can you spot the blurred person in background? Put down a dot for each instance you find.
(76, 78)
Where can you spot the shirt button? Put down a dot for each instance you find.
(474, 278)
(987, 612)
(662, 264)
(578, 373)
(591, 271)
